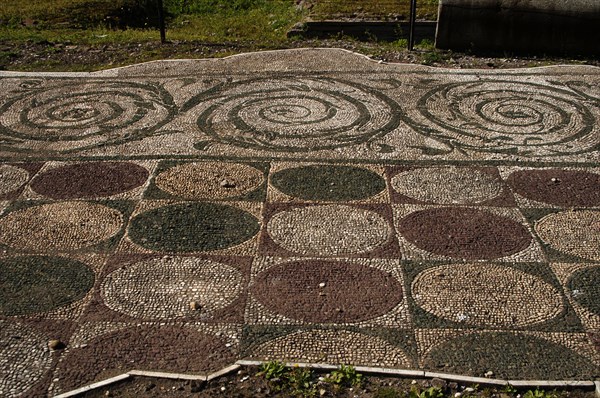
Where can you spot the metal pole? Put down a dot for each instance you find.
(161, 22)
(413, 17)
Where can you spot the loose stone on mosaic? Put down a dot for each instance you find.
(24, 358)
(11, 178)
(89, 180)
(60, 226)
(464, 233)
(328, 183)
(447, 185)
(170, 287)
(567, 188)
(333, 347)
(572, 232)
(193, 227)
(209, 180)
(515, 356)
(327, 291)
(40, 284)
(329, 230)
(486, 295)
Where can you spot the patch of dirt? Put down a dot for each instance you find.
(65, 56)
(247, 383)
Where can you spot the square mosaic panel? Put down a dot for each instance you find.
(166, 288)
(509, 355)
(105, 349)
(488, 295)
(570, 235)
(580, 282)
(328, 230)
(464, 233)
(346, 292)
(324, 183)
(208, 180)
(105, 180)
(65, 226)
(168, 226)
(448, 185)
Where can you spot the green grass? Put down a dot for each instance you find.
(327, 9)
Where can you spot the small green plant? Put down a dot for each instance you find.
(300, 381)
(537, 393)
(345, 375)
(387, 392)
(508, 389)
(273, 370)
(431, 392)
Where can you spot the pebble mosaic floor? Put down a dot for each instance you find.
(306, 205)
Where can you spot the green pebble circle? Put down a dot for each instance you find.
(192, 227)
(38, 284)
(585, 289)
(329, 183)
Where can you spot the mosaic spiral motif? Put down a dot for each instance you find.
(24, 359)
(327, 292)
(295, 114)
(508, 117)
(572, 232)
(333, 347)
(447, 185)
(163, 288)
(511, 298)
(206, 180)
(89, 180)
(39, 284)
(60, 226)
(80, 116)
(329, 230)
(11, 178)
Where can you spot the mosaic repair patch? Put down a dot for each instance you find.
(306, 206)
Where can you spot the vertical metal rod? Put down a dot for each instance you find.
(161, 22)
(413, 17)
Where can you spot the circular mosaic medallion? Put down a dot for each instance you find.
(40, 284)
(486, 295)
(24, 359)
(89, 180)
(84, 115)
(11, 178)
(447, 185)
(190, 227)
(558, 187)
(151, 348)
(59, 226)
(333, 347)
(205, 180)
(511, 356)
(464, 233)
(329, 230)
(164, 287)
(507, 117)
(585, 289)
(327, 291)
(295, 114)
(330, 183)
(572, 232)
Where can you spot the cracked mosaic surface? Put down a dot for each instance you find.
(305, 205)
